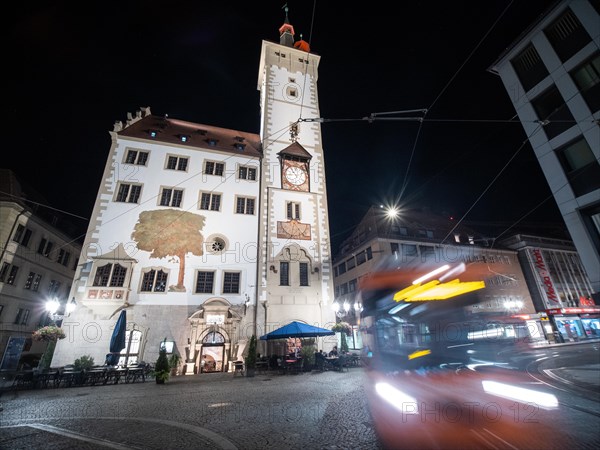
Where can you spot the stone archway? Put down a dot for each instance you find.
(213, 328)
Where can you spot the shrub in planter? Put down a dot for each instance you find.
(308, 357)
(250, 359)
(162, 369)
(84, 363)
(174, 360)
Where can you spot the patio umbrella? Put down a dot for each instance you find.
(297, 330)
(117, 340)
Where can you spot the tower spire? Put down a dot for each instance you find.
(286, 31)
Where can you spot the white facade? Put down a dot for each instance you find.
(288, 91)
(552, 74)
(187, 262)
(195, 226)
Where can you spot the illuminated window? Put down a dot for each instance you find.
(110, 275)
(136, 157)
(247, 173)
(154, 281)
(214, 168)
(205, 282)
(177, 163)
(244, 205)
(128, 193)
(231, 283)
(210, 201)
(171, 197)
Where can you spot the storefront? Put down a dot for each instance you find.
(576, 323)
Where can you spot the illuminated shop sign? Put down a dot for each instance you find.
(545, 282)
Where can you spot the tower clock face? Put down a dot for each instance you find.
(295, 175)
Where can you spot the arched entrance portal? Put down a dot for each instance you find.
(212, 329)
(213, 352)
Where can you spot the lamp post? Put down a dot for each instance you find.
(53, 306)
(345, 308)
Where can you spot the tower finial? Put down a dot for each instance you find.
(285, 7)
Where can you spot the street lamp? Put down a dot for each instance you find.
(52, 306)
(344, 309)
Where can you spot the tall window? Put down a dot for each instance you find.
(53, 288)
(580, 166)
(293, 210)
(350, 263)
(247, 173)
(214, 168)
(210, 201)
(284, 273)
(22, 235)
(137, 157)
(128, 193)
(567, 35)
(8, 273)
(303, 274)
(205, 282)
(177, 163)
(154, 281)
(587, 78)
(171, 197)
(231, 282)
(130, 354)
(22, 316)
(112, 275)
(63, 257)
(33, 281)
(529, 67)
(45, 247)
(244, 205)
(550, 106)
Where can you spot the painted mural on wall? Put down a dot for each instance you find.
(170, 233)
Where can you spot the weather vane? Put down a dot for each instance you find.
(294, 132)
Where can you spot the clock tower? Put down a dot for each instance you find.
(295, 279)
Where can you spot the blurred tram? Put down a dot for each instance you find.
(419, 341)
(432, 330)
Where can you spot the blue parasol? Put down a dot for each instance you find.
(117, 340)
(297, 330)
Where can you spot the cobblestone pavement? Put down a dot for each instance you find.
(310, 411)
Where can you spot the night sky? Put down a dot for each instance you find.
(73, 71)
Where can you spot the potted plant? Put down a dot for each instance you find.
(50, 334)
(345, 329)
(174, 360)
(308, 356)
(250, 359)
(82, 365)
(162, 369)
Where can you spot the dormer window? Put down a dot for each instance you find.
(184, 137)
(212, 141)
(152, 133)
(239, 146)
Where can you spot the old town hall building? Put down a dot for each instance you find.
(206, 236)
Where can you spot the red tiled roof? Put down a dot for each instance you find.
(296, 149)
(170, 131)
